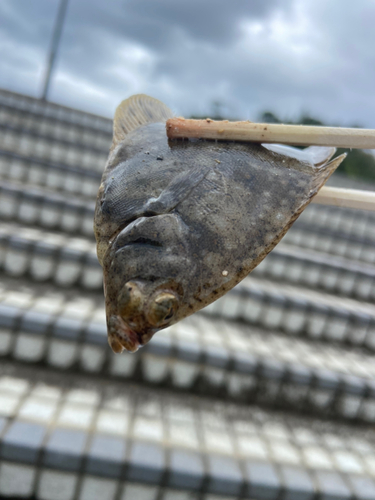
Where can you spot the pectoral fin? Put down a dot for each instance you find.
(177, 190)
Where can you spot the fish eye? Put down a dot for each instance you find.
(129, 299)
(162, 308)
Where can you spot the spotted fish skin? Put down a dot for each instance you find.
(179, 223)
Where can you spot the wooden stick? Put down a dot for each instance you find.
(299, 135)
(351, 198)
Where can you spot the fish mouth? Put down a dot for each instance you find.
(154, 231)
(121, 337)
(150, 248)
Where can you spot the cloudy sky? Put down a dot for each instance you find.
(287, 56)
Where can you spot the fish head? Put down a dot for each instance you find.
(150, 256)
(144, 279)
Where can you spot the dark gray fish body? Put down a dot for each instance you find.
(179, 224)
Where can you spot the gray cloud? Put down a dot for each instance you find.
(153, 23)
(287, 56)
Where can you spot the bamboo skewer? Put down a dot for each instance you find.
(350, 198)
(297, 135)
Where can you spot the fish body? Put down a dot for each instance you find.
(178, 224)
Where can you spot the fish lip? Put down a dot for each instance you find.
(121, 337)
(129, 226)
(138, 238)
(176, 235)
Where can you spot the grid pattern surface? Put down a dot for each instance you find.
(120, 436)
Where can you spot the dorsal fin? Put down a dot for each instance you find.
(136, 111)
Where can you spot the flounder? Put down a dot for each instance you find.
(179, 223)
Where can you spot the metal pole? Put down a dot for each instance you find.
(54, 47)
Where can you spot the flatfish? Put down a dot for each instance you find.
(180, 223)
